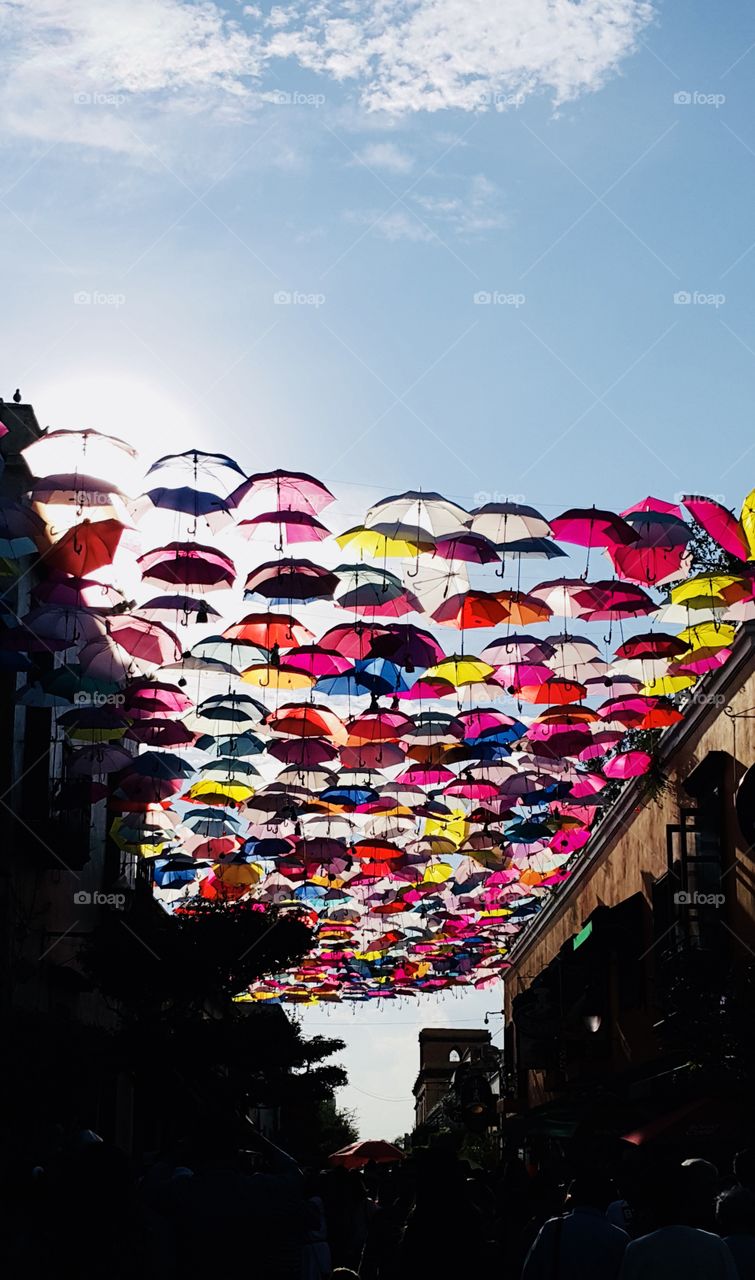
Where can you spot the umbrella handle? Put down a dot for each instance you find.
(502, 572)
(409, 573)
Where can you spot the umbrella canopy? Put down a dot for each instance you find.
(359, 1154)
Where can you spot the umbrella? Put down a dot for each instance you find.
(267, 629)
(188, 564)
(722, 526)
(426, 512)
(589, 527)
(291, 491)
(85, 547)
(370, 542)
(292, 527)
(195, 464)
(359, 1154)
(505, 522)
(291, 580)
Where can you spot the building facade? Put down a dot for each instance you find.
(629, 999)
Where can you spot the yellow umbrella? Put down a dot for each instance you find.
(368, 542)
(706, 636)
(453, 827)
(267, 676)
(711, 591)
(458, 670)
(665, 685)
(437, 873)
(233, 789)
(239, 874)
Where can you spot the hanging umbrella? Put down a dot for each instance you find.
(459, 669)
(194, 465)
(369, 542)
(505, 522)
(427, 512)
(589, 527)
(188, 564)
(101, 455)
(468, 546)
(267, 629)
(181, 609)
(85, 547)
(532, 549)
(524, 609)
(473, 609)
(711, 591)
(291, 580)
(722, 526)
(291, 526)
(149, 641)
(188, 501)
(290, 491)
(77, 593)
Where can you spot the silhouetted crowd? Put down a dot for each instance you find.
(209, 1208)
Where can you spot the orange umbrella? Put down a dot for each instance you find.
(523, 609)
(304, 720)
(555, 692)
(267, 629)
(472, 609)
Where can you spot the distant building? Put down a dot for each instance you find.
(441, 1050)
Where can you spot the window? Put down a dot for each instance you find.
(454, 1056)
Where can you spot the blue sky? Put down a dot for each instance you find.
(169, 177)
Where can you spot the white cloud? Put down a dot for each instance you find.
(395, 225)
(386, 155)
(425, 218)
(78, 71)
(411, 55)
(164, 59)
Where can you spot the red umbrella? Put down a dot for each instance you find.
(267, 629)
(358, 1154)
(85, 547)
(472, 609)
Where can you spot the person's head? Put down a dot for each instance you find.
(735, 1212)
(744, 1167)
(700, 1183)
(591, 1190)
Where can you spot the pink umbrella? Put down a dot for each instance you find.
(628, 764)
(290, 490)
(148, 641)
(188, 564)
(566, 597)
(427, 689)
(722, 525)
(353, 639)
(589, 527)
(147, 699)
(372, 755)
(426, 775)
(291, 526)
(316, 661)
